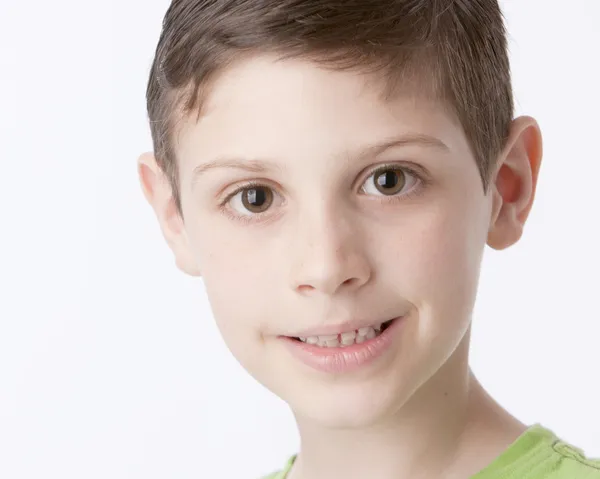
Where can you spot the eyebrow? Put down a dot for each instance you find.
(261, 166)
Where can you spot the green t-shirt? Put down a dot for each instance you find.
(537, 454)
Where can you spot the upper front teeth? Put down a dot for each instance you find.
(348, 338)
(344, 339)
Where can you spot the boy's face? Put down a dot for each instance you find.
(316, 239)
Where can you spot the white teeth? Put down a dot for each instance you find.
(328, 337)
(348, 338)
(368, 332)
(344, 339)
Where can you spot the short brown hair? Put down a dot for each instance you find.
(455, 50)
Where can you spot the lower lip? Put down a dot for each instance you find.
(344, 359)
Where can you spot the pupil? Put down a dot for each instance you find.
(256, 197)
(389, 179)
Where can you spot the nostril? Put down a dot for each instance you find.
(305, 288)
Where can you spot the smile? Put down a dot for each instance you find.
(347, 351)
(348, 338)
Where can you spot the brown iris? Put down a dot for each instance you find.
(257, 199)
(389, 181)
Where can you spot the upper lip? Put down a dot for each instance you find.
(339, 328)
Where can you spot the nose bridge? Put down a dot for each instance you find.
(328, 251)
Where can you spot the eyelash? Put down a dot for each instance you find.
(422, 183)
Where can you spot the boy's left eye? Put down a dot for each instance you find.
(388, 181)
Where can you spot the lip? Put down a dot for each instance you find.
(336, 328)
(346, 359)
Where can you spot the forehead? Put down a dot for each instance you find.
(265, 107)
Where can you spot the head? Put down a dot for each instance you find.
(317, 163)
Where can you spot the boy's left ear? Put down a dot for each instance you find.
(514, 183)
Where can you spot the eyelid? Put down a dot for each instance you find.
(413, 168)
(244, 185)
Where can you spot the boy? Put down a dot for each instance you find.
(333, 170)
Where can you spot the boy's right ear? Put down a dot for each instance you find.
(158, 192)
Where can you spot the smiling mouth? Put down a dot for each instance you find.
(345, 352)
(348, 338)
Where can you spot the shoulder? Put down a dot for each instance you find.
(572, 463)
(272, 476)
(282, 474)
(278, 475)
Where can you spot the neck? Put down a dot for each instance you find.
(449, 428)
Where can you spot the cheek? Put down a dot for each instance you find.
(236, 284)
(438, 257)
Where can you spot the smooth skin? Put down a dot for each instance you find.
(330, 246)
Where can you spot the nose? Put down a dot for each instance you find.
(328, 255)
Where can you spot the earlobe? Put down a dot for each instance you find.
(514, 184)
(158, 193)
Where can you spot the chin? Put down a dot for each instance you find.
(348, 406)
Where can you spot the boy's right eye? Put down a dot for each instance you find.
(257, 199)
(251, 199)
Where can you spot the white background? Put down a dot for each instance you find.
(110, 364)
